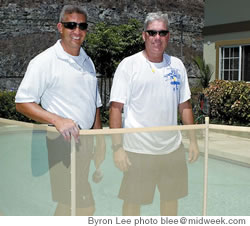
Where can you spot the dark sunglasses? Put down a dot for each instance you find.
(162, 33)
(73, 25)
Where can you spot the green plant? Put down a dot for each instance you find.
(229, 102)
(105, 117)
(8, 107)
(205, 71)
(108, 44)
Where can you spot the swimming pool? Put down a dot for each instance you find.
(26, 187)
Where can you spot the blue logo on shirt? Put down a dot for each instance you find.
(174, 77)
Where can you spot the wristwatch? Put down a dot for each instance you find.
(116, 147)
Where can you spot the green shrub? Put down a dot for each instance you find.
(8, 107)
(195, 92)
(229, 102)
(108, 44)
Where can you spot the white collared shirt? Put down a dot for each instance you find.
(151, 94)
(62, 86)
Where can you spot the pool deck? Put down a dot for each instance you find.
(225, 146)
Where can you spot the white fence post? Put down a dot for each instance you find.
(73, 176)
(205, 185)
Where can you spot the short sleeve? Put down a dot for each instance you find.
(33, 84)
(120, 86)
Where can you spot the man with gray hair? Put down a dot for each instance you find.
(63, 80)
(151, 86)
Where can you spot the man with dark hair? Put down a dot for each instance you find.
(63, 80)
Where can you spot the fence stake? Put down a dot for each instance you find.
(205, 168)
(73, 176)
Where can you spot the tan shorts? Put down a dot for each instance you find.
(59, 155)
(166, 172)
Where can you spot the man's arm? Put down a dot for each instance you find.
(186, 113)
(100, 149)
(115, 121)
(97, 123)
(115, 115)
(66, 127)
(187, 118)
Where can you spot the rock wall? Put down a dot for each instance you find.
(28, 27)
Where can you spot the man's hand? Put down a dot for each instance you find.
(193, 153)
(121, 159)
(67, 128)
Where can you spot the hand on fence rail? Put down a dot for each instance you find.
(68, 128)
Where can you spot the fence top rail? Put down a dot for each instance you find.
(104, 131)
(107, 131)
(229, 128)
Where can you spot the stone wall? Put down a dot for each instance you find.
(28, 27)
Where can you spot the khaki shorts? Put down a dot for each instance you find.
(59, 155)
(166, 172)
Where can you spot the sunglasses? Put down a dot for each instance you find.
(162, 33)
(73, 25)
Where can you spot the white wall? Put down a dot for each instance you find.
(209, 55)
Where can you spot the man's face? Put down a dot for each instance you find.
(157, 44)
(72, 39)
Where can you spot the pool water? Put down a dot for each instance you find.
(25, 182)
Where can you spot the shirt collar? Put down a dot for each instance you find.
(63, 55)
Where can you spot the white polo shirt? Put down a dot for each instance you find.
(54, 79)
(151, 93)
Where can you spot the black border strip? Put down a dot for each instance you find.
(226, 28)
